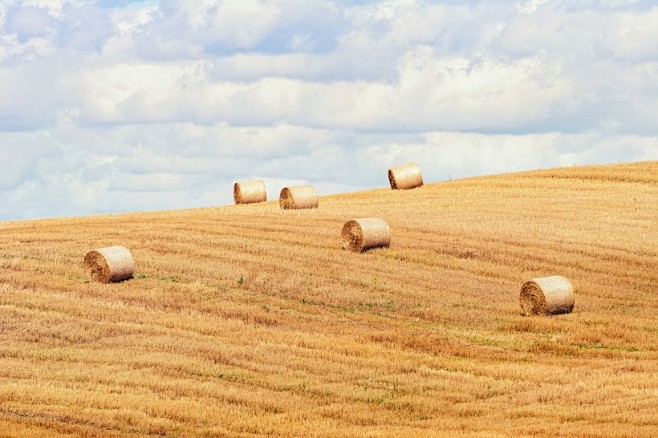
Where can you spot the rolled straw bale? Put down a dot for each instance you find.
(547, 296)
(365, 233)
(405, 177)
(105, 265)
(249, 192)
(298, 197)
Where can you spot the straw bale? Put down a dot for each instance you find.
(405, 177)
(547, 296)
(365, 233)
(298, 197)
(110, 264)
(249, 192)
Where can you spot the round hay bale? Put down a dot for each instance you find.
(249, 192)
(365, 233)
(106, 265)
(292, 198)
(405, 177)
(547, 296)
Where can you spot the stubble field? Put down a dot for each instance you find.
(253, 321)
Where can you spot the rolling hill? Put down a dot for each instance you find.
(253, 321)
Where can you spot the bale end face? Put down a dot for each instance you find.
(352, 236)
(237, 193)
(391, 179)
(285, 199)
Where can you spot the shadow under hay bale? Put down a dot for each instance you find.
(249, 192)
(547, 296)
(405, 177)
(110, 264)
(300, 197)
(364, 233)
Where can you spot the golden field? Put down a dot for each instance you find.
(253, 321)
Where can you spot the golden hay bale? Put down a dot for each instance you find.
(298, 197)
(365, 233)
(547, 296)
(405, 177)
(249, 192)
(105, 265)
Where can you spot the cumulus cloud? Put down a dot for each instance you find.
(159, 104)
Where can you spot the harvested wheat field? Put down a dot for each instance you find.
(251, 321)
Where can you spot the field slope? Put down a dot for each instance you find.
(249, 320)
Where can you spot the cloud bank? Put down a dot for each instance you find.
(113, 106)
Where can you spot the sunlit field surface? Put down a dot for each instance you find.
(250, 320)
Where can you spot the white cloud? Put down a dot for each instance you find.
(130, 105)
(52, 7)
(631, 35)
(429, 93)
(236, 23)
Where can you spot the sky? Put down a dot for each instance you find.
(120, 106)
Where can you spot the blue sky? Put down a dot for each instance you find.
(115, 106)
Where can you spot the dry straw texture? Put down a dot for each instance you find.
(249, 192)
(298, 197)
(547, 296)
(106, 265)
(365, 233)
(405, 177)
(255, 322)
